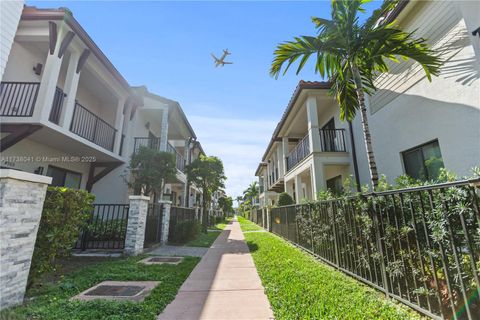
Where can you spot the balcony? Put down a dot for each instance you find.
(17, 99)
(91, 127)
(154, 143)
(300, 152)
(57, 105)
(180, 161)
(333, 140)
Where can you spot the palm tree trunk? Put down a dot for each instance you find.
(366, 131)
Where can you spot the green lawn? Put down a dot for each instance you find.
(300, 287)
(51, 302)
(204, 239)
(248, 225)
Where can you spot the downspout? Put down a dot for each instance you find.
(354, 156)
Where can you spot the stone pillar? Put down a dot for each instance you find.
(21, 203)
(137, 220)
(269, 226)
(165, 221)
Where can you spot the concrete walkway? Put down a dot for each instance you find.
(224, 285)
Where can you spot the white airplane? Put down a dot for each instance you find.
(220, 62)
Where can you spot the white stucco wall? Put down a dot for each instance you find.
(447, 109)
(27, 155)
(10, 12)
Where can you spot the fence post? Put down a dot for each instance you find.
(167, 205)
(21, 201)
(137, 220)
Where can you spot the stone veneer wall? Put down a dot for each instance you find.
(21, 203)
(137, 218)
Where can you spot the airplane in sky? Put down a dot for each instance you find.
(220, 62)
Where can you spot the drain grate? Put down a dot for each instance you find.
(115, 291)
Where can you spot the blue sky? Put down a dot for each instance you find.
(166, 46)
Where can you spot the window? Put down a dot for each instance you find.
(423, 162)
(335, 185)
(64, 178)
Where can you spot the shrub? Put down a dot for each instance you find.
(185, 231)
(65, 212)
(284, 199)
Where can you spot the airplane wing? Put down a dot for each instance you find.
(213, 56)
(224, 62)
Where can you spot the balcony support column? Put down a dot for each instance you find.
(318, 177)
(70, 89)
(164, 131)
(119, 124)
(50, 74)
(284, 154)
(280, 160)
(298, 189)
(313, 128)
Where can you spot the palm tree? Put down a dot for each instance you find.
(252, 192)
(351, 54)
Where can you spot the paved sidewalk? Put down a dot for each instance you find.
(224, 285)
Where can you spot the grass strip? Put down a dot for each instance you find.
(52, 301)
(300, 287)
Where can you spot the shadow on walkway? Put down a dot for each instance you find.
(224, 285)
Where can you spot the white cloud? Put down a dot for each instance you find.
(239, 143)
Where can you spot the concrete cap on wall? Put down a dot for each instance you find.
(165, 201)
(139, 198)
(24, 176)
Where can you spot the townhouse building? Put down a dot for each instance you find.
(417, 126)
(66, 112)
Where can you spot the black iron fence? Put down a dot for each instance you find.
(17, 99)
(257, 216)
(179, 159)
(57, 105)
(106, 228)
(153, 228)
(420, 246)
(91, 127)
(333, 140)
(301, 151)
(180, 214)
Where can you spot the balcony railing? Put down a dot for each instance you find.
(17, 99)
(57, 106)
(91, 127)
(152, 143)
(178, 157)
(300, 152)
(333, 140)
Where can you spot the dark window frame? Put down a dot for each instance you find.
(65, 175)
(420, 148)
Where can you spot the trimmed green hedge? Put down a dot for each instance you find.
(184, 231)
(65, 212)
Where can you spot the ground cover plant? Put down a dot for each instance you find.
(52, 301)
(300, 287)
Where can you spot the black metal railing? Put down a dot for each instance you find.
(418, 245)
(333, 140)
(152, 143)
(57, 105)
(153, 227)
(91, 127)
(106, 228)
(17, 99)
(180, 214)
(180, 161)
(300, 152)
